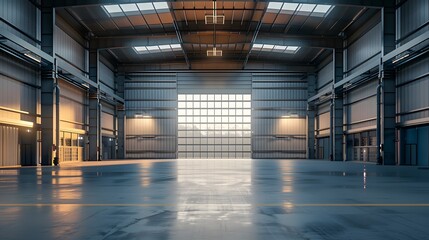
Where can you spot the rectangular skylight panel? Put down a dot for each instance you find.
(152, 48)
(322, 8)
(257, 46)
(145, 6)
(307, 7)
(163, 47)
(279, 48)
(268, 47)
(160, 5)
(290, 6)
(129, 7)
(275, 5)
(112, 8)
(292, 48)
(140, 49)
(175, 47)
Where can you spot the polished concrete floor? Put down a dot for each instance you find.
(215, 199)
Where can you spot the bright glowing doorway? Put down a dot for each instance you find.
(214, 125)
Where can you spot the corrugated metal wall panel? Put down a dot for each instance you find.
(361, 106)
(107, 76)
(325, 76)
(22, 14)
(364, 48)
(412, 91)
(70, 50)
(9, 148)
(17, 90)
(214, 82)
(413, 14)
(273, 96)
(108, 120)
(155, 95)
(72, 106)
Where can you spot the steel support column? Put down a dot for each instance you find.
(337, 109)
(120, 80)
(94, 134)
(311, 81)
(388, 89)
(48, 82)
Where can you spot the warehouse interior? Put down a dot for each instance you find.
(214, 119)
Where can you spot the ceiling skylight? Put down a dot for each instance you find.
(301, 8)
(118, 9)
(275, 48)
(157, 48)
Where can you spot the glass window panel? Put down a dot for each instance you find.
(231, 112)
(189, 112)
(203, 104)
(189, 97)
(210, 112)
(239, 105)
(210, 97)
(224, 104)
(203, 97)
(204, 112)
(224, 97)
(239, 112)
(189, 104)
(246, 112)
(225, 112)
(197, 112)
(246, 97)
(232, 119)
(232, 97)
(239, 97)
(203, 119)
(246, 119)
(232, 104)
(218, 104)
(182, 104)
(224, 119)
(246, 105)
(196, 104)
(182, 112)
(218, 112)
(181, 97)
(218, 97)
(196, 97)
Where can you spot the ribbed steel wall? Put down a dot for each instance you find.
(70, 52)
(18, 88)
(72, 107)
(360, 106)
(107, 76)
(325, 76)
(9, 150)
(413, 14)
(367, 46)
(22, 14)
(214, 82)
(412, 92)
(154, 95)
(108, 120)
(274, 96)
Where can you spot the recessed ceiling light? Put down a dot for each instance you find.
(129, 7)
(112, 8)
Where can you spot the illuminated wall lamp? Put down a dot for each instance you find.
(33, 57)
(142, 115)
(292, 115)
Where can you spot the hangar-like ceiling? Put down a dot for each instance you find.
(169, 31)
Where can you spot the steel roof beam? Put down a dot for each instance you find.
(365, 3)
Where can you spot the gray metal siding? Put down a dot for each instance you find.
(413, 14)
(22, 14)
(156, 136)
(71, 52)
(364, 48)
(107, 76)
(273, 96)
(214, 82)
(18, 88)
(325, 76)
(361, 106)
(72, 107)
(412, 92)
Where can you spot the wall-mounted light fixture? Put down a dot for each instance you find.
(142, 115)
(33, 57)
(291, 115)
